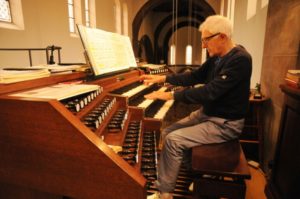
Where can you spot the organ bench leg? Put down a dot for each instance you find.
(220, 171)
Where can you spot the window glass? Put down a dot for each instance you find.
(188, 54)
(87, 13)
(118, 22)
(5, 14)
(71, 16)
(125, 19)
(172, 60)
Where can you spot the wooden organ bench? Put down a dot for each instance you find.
(220, 170)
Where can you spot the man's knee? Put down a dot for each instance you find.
(172, 140)
(167, 131)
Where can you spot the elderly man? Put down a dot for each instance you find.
(224, 99)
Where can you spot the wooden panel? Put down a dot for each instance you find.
(216, 188)
(9, 191)
(118, 81)
(252, 136)
(284, 180)
(44, 146)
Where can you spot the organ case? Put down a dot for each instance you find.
(47, 149)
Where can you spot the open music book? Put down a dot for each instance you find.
(12, 75)
(54, 68)
(58, 91)
(107, 52)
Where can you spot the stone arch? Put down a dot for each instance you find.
(202, 5)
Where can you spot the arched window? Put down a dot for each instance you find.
(188, 54)
(87, 13)
(203, 55)
(75, 10)
(230, 10)
(118, 16)
(71, 11)
(125, 19)
(92, 13)
(11, 14)
(172, 54)
(5, 14)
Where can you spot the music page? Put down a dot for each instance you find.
(107, 51)
(58, 91)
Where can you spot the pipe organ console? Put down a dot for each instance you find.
(100, 144)
(75, 104)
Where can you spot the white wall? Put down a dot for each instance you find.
(251, 32)
(105, 15)
(46, 23)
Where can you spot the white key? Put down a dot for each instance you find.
(135, 90)
(147, 102)
(164, 109)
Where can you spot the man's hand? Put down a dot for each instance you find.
(159, 95)
(150, 79)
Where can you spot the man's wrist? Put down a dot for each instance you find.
(172, 94)
(164, 78)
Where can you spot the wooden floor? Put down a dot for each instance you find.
(256, 186)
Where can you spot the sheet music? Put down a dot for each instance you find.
(58, 91)
(54, 68)
(107, 51)
(12, 75)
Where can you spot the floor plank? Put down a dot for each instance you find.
(256, 186)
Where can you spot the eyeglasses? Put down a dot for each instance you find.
(206, 39)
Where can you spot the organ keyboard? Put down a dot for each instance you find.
(50, 148)
(147, 102)
(135, 90)
(164, 109)
(131, 90)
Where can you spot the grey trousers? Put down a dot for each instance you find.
(193, 130)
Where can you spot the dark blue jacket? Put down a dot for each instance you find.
(227, 85)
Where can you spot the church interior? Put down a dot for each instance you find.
(53, 147)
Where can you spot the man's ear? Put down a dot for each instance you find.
(222, 36)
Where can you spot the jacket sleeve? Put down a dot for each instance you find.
(231, 74)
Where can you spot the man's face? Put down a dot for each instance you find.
(211, 42)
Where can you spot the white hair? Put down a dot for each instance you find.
(217, 24)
